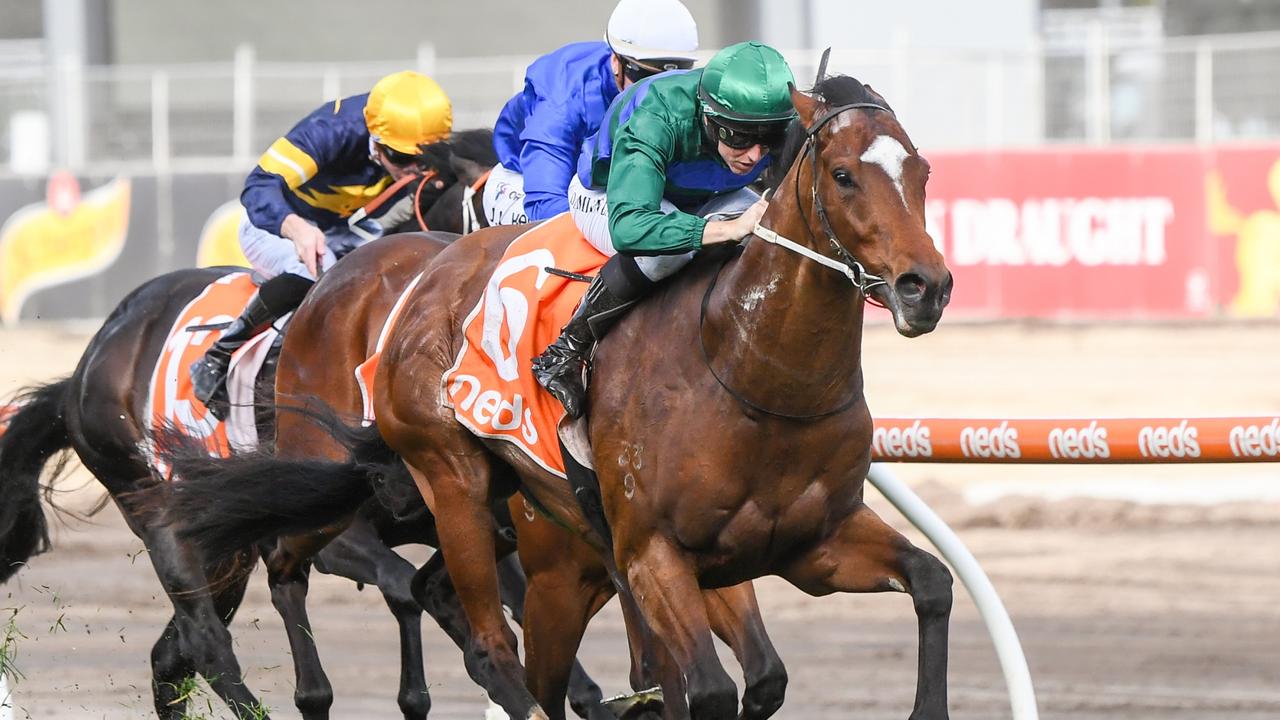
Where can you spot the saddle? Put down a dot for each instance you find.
(171, 401)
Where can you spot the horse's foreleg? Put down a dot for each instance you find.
(665, 588)
(361, 555)
(651, 666)
(459, 493)
(735, 618)
(866, 555)
(566, 587)
(288, 565)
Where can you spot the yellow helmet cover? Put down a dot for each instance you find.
(406, 110)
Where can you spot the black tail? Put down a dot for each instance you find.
(223, 505)
(36, 433)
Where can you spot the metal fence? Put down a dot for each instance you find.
(220, 116)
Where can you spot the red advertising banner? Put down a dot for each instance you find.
(1088, 233)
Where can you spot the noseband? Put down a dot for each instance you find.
(846, 262)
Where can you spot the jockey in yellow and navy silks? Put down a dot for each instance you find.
(306, 185)
(566, 93)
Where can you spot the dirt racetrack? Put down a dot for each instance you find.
(1155, 595)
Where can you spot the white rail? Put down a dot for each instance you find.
(1022, 696)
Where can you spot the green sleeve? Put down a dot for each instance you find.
(637, 177)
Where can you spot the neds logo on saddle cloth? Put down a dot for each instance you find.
(490, 386)
(172, 400)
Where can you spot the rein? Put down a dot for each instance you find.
(353, 221)
(417, 199)
(847, 264)
(470, 220)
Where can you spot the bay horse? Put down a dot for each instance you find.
(746, 454)
(746, 458)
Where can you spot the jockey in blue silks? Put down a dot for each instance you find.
(539, 133)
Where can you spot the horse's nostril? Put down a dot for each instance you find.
(910, 287)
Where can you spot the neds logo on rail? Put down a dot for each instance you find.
(902, 442)
(1000, 441)
(1256, 440)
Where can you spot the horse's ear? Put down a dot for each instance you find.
(807, 106)
(876, 96)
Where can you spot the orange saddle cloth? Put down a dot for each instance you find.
(172, 401)
(491, 387)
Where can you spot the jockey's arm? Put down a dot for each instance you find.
(289, 163)
(548, 155)
(719, 231)
(637, 180)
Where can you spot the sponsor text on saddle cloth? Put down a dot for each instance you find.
(491, 387)
(171, 400)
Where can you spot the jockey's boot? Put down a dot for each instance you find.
(561, 367)
(274, 299)
(209, 373)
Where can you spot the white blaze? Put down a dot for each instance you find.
(889, 154)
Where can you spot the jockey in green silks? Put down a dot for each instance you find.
(673, 150)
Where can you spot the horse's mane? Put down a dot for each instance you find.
(435, 156)
(476, 146)
(833, 91)
(473, 145)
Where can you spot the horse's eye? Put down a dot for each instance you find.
(843, 178)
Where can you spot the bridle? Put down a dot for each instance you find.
(846, 263)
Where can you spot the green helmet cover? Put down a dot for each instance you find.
(747, 82)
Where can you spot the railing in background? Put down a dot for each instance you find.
(220, 115)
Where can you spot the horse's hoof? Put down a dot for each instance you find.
(642, 705)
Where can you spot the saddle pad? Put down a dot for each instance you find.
(491, 387)
(171, 401)
(368, 370)
(6, 412)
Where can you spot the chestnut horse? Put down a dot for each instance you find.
(746, 455)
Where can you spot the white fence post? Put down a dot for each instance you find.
(331, 84)
(1098, 85)
(242, 110)
(995, 106)
(1204, 92)
(1017, 676)
(426, 59)
(161, 147)
(900, 69)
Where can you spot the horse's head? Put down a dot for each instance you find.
(867, 184)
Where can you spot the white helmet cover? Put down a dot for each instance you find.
(652, 29)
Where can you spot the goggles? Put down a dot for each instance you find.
(399, 159)
(637, 70)
(741, 136)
